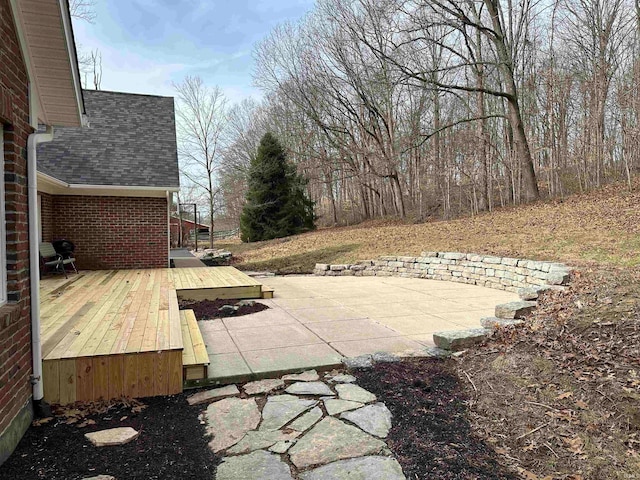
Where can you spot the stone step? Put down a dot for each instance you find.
(515, 310)
(529, 293)
(493, 322)
(455, 340)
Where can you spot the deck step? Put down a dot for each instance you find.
(195, 359)
(267, 292)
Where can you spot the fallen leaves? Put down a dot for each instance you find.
(564, 395)
(41, 421)
(575, 368)
(574, 445)
(582, 405)
(77, 413)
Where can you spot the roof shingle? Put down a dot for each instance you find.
(130, 141)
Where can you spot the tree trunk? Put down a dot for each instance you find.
(521, 145)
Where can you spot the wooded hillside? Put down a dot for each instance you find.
(437, 108)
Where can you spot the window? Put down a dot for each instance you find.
(3, 228)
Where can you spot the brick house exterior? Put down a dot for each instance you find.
(23, 105)
(15, 320)
(107, 188)
(132, 230)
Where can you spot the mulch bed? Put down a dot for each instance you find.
(431, 434)
(171, 445)
(210, 309)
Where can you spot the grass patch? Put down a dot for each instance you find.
(300, 262)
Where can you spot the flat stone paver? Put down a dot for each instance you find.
(316, 322)
(342, 330)
(284, 359)
(307, 421)
(112, 436)
(263, 386)
(309, 388)
(265, 318)
(296, 303)
(366, 468)
(227, 365)
(327, 314)
(282, 447)
(354, 393)
(373, 419)
(228, 420)
(355, 348)
(343, 378)
(218, 341)
(259, 465)
(335, 406)
(331, 440)
(259, 440)
(281, 409)
(269, 337)
(308, 376)
(210, 395)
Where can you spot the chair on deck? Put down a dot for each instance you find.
(53, 261)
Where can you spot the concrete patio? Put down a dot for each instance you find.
(314, 322)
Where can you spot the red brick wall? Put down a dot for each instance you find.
(15, 324)
(46, 205)
(113, 232)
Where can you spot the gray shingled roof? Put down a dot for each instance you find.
(130, 141)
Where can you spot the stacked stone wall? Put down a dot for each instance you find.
(504, 273)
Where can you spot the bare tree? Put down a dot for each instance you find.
(90, 63)
(597, 32)
(202, 118)
(96, 68)
(83, 10)
(440, 108)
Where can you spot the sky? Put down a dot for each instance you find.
(148, 44)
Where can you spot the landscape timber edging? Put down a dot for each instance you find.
(502, 273)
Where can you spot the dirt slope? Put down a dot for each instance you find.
(600, 227)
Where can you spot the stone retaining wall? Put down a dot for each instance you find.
(503, 273)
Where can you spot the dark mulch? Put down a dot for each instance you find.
(171, 445)
(431, 434)
(210, 309)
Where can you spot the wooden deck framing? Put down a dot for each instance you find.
(107, 334)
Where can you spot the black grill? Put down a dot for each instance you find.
(64, 247)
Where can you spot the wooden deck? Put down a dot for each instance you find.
(213, 283)
(107, 334)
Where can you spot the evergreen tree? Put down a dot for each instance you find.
(276, 205)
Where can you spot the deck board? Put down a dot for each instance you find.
(213, 277)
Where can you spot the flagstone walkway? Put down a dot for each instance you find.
(302, 426)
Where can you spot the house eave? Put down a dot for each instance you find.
(46, 39)
(54, 186)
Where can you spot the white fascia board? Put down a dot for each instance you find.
(53, 180)
(123, 187)
(54, 186)
(73, 58)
